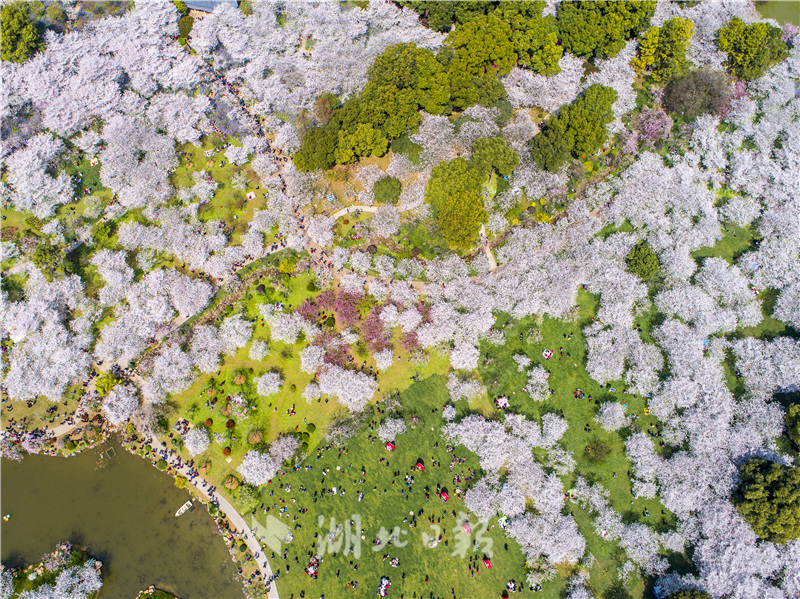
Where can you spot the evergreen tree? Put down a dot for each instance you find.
(768, 497)
(578, 130)
(387, 190)
(490, 154)
(20, 37)
(454, 193)
(642, 261)
(752, 49)
(599, 28)
(662, 51)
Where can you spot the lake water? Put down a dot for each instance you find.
(783, 11)
(124, 513)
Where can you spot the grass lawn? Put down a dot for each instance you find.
(270, 415)
(14, 286)
(37, 415)
(425, 236)
(501, 377)
(625, 227)
(345, 229)
(228, 204)
(443, 565)
(735, 242)
(769, 327)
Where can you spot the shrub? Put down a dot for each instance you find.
(311, 427)
(226, 451)
(230, 423)
(180, 482)
(597, 451)
(161, 464)
(69, 445)
(208, 422)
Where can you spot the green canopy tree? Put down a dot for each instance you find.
(185, 24)
(662, 50)
(792, 422)
(394, 111)
(642, 261)
(454, 193)
(552, 147)
(600, 29)
(20, 38)
(768, 497)
(493, 154)
(318, 148)
(578, 130)
(534, 38)
(407, 67)
(47, 258)
(103, 232)
(752, 49)
(387, 190)
(588, 117)
(439, 14)
(364, 141)
(483, 46)
(488, 90)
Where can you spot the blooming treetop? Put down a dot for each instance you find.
(120, 404)
(196, 441)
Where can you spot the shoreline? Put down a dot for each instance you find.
(224, 515)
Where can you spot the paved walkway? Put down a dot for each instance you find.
(487, 249)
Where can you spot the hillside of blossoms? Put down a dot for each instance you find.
(529, 270)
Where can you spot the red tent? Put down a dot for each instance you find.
(466, 529)
(444, 496)
(420, 467)
(486, 562)
(390, 446)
